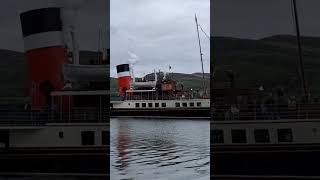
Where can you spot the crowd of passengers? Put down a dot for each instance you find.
(267, 107)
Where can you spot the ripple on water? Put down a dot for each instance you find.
(160, 149)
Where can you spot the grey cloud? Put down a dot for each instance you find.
(256, 19)
(161, 33)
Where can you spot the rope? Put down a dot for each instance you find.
(204, 32)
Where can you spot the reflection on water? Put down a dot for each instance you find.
(159, 149)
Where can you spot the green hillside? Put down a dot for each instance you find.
(13, 77)
(271, 62)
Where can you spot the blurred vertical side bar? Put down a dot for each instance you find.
(108, 83)
(211, 85)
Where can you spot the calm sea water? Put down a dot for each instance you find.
(145, 149)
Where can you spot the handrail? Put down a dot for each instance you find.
(41, 117)
(266, 112)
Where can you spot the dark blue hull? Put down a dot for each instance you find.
(280, 160)
(168, 112)
(55, 160)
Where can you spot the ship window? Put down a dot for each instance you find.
(285, 135)
(87, 137)
(217, 136)
(104, 137)
(150, 105)
(144, 105)
(192, 104)
(184, 104)
(177, 104)
(60, 134)
(198, 104)
(261, 135)
(137, 105)
(156, 104)
(239, 136)
(163, 104)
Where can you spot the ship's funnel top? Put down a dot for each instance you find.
(40, 20)
(42, 28)
(123, 68)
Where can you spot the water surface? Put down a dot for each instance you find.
(168, 149)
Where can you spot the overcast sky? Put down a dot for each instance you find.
(162, 32)
(159, 33)
(261, 18)
(91, 15)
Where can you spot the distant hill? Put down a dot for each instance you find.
(270, 61)
(13, 78)
(13, 70)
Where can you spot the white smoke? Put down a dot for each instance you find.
(134, 59)
(69, 14)
(69, 11)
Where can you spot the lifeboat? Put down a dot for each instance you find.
(86, 73)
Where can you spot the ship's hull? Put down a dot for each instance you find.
(55, 160)
(77, 148)
(168, 112)
(277, 160)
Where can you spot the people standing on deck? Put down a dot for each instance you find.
(234, 112)
(292, 102)
(270, 103)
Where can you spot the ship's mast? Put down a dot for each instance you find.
(204, 88)
(301, 66)
(100, 49)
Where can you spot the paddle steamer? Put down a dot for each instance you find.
(64, 128)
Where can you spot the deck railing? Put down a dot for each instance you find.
(41, 116)
(267, 112)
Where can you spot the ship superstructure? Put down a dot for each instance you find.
(259, 133)
(157, 94)
(64, 129)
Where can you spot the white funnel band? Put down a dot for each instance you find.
(43, 40)
(123, 74)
